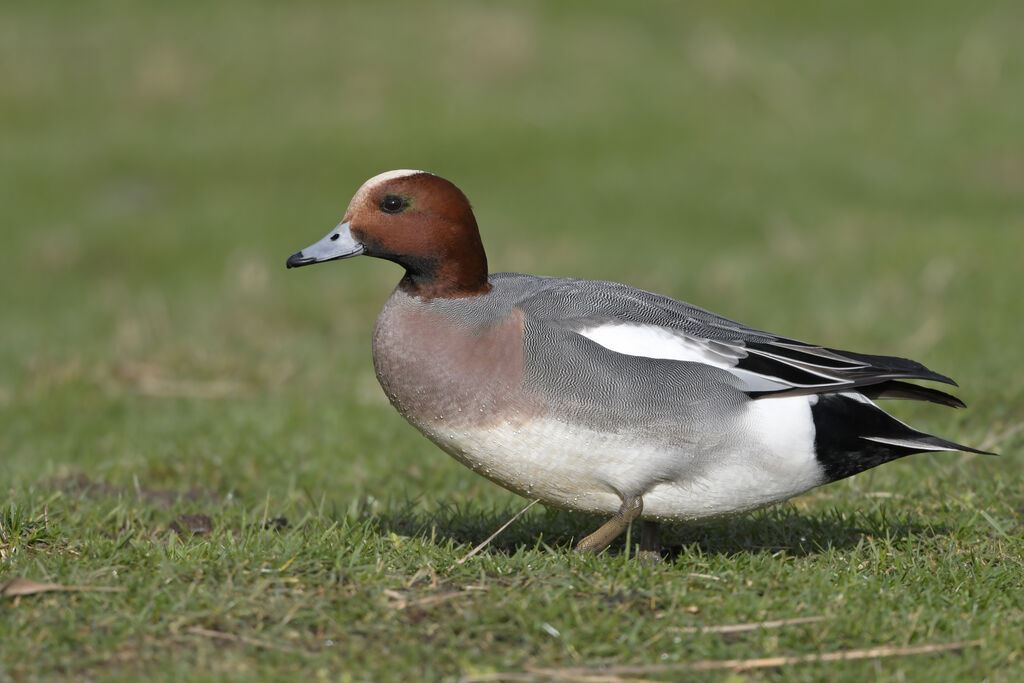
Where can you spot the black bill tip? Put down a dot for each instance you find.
(297, 259)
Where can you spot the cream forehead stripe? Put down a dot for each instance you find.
(391, 175)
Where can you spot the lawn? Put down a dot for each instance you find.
(193, 445)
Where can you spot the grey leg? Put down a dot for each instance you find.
(610, 530)
(649, 536)
(650, 550)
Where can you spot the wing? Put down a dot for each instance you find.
(638, 323)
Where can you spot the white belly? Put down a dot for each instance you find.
(768, 457)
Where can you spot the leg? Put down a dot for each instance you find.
(650, 550)
(610, 530)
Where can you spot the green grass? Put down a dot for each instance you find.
(851, 175)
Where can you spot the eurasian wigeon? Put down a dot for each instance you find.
(602, 398)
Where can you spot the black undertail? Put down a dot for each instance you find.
(846, 428)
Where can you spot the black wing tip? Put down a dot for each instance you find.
(882, 390)
(897, 367)
(894, 389)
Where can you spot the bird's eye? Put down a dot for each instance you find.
(392, 203)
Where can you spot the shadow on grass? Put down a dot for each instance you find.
(780, 528)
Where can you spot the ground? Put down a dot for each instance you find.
(194, 448)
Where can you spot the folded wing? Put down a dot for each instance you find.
(639, 323)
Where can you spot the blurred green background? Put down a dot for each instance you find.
(850, 174)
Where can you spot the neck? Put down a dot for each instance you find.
(455, 266)
(445, 278)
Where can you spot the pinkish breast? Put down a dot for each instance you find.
(439, 370)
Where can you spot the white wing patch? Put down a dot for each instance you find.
(652, 341)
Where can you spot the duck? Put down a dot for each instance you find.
(602, 398)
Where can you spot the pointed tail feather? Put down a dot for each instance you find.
(927, 442)
(852, 434)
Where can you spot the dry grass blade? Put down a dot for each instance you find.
(401, 601)
(490, 538)
(740, 628)
(839, 656)
(245, 640)
(609, 673)
(22, 586)
(997, 436)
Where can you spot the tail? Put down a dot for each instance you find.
(852, 434)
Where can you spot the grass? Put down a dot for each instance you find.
(186, 422)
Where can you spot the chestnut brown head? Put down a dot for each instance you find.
(418, 220)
